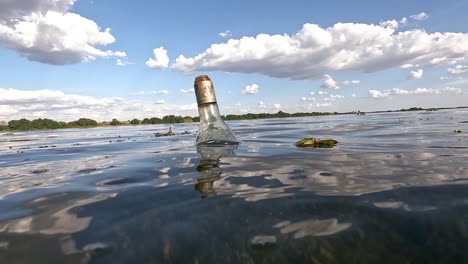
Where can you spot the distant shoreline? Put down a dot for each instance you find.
(49, 124)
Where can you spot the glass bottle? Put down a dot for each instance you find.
(212, 128)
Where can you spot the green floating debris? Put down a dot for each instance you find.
(316, 143)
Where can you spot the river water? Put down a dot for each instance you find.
(393, 190)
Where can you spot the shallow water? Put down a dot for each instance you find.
(393, 190)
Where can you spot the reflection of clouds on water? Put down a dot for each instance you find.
(53, 173)
(55, 219)
(342, 173)
(312, 227)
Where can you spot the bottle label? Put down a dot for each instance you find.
(205, 92)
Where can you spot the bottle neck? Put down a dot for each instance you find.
(209, 112)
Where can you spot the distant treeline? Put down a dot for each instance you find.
(280, 114)
(44, 123)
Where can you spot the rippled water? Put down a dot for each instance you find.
(393, 190)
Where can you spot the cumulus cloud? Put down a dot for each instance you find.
(225, 33)
(328, 82)
(45, 31)
(15, 104)
(420, 16)
(250, 89)
(262, 104)
(418, 91)
(313, 51)
(186, 91)
(161, 60)
(415, 74)
(459, 69)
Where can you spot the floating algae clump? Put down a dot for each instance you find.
(316, 143)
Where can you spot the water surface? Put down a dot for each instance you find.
(393, 190)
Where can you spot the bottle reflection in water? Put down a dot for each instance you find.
(208, 169)
(212, 128)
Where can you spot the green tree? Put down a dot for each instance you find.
(22, 124)
(135, 122)
(115, 122)
(83, 122)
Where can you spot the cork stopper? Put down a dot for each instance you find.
(204, 90)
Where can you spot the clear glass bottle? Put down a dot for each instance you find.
(212, 128)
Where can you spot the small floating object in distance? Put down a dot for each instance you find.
(457, 131)
(169, 133)
(316, 143)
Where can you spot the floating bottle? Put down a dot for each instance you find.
(212, 128)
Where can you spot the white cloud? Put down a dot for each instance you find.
(250, 89)
(278, 106)
(161, 60)
(15, 104)
(415, 74)
(346, 83)
(313, 51)
(420, 16)
(120, 62)
(403, 21)
(444, 78)
(417, 91)
(160, 92)
(44, 31)
(459, 69)
(333, 97)
(312, 93)
(262, 104)
(408, 65)
(353, 95)
(308, 99)
(187, 91)
(328, 82)
(321, 93)
(151, 92)
(225, 33)
(323, 104)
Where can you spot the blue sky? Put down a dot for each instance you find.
(66, 59)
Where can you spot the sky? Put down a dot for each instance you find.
(105, 59)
